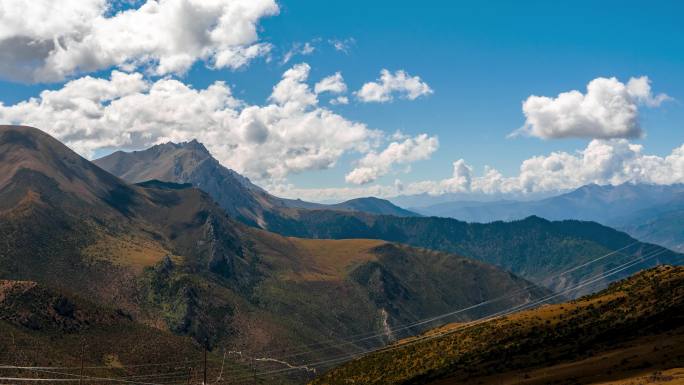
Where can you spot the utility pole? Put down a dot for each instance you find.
(190, 375)
(80, 377)
(205, 365)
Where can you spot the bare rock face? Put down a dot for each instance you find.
(222, 253)
(190, 162)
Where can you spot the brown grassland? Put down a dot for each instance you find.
(635, 328)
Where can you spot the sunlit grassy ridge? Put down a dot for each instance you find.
(533, 248)
(650, 303)
(316, 259)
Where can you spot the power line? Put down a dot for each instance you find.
(100, 367)
(493, 316)
(25, 379)
(80, 378)
(431, 319)
(373, 335)
(407, 326)
(526, 306)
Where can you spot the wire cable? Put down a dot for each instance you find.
(495, 315)
(368, 336)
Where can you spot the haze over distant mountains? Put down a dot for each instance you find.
(651, 213)
(591, 202)
(661, 223)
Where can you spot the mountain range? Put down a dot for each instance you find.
(653, 213)
(190, 253)
(167, 256)
(533, 248)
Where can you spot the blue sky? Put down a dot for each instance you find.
(482, 60)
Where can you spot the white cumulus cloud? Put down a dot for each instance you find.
(333, 84)
(290, 134)
(45, 40)
(374, 164)
(389, 85)
(292, 91)
(608, 109)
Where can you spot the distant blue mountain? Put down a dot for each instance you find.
(653, 213)
(662, 223)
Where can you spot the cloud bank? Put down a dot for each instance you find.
(607, 113)
(602, 162)
(289, 134)
(46, 41)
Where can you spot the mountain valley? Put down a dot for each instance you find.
(169, 258)
(283, 192)
(533, 248)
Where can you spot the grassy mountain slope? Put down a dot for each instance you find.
(171, 258)
(373, 205)
(533, 248)
(67, 223)
(632, 328)
(393, 281)
(310, 291)
(43, 327)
